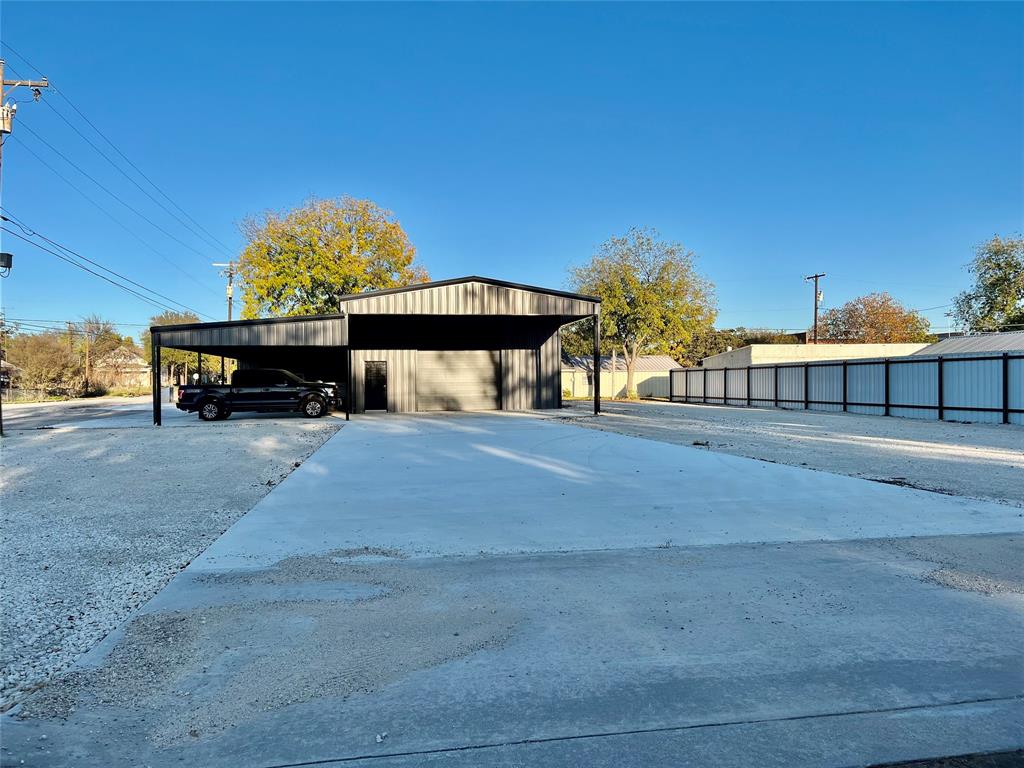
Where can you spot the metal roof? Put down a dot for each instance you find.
(646, 363)
(1012, 341)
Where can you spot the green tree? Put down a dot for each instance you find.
(177, 361)
(299, 262)
(996, 302)
(873, 319)
(48, 361)
(651, 295)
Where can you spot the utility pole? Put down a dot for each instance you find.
(817, 299)
(7, 112)
(229, 272)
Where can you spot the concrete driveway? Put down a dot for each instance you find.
(508, 590)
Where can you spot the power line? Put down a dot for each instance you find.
(29, 231)
(118, 151)
(114, 195)
(64, 322)
(112, 217)
(62, 257)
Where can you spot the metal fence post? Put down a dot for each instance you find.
(807, 388)
(844, 386)
(942, 399)
(775, 384)
(704, 393)
(670, 390)
(886, 386)
(1006, 387)
(748, 386)
(725, 385)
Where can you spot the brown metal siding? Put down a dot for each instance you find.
(470, 299)
(518, 379)
(319, 332)
(401, 378)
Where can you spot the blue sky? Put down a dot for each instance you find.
(878, 143)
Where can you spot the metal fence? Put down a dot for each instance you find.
(968, 387)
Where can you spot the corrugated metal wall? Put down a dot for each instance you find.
(519, 371)
(549, 393)
(401, 377)
(469, 299)
(301, 332)
(972, 386)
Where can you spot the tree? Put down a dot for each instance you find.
(177, 361)
(874, 319)
(49, 361)
(299, 262)
(651, 295)
(996, 301)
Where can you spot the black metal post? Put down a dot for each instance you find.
(349, 394)
(199, 366)
(748, 386)
(597, 365)
(704, 388)
(671, 391)
(887, 386)
(725, 385)
(156, 379)
(1006, 387)
(775, 384)
(807, 390)
(941, 393)
(844, 386)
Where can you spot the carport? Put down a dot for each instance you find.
(471, 343)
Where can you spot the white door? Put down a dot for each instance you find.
(457, 381)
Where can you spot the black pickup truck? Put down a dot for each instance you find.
(258, 389)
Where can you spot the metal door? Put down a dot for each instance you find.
(376, 385)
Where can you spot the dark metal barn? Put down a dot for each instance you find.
(466, 344)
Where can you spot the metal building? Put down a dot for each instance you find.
(472, 343)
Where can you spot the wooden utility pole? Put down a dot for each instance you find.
(229, 272)
(817, 298)
(7, 112)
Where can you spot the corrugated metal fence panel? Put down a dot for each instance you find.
(825, 384)
(401, 377)
(677, 384)
(716, 385)
(1016, 380)
(736, 386)
(695, 385)
(791, 387)
(519, 379)
(866, 384)
(969, 383)
(762, 386)
(914, 384)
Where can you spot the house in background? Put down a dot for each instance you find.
(650, 376)
(123, 368)
(766, 354)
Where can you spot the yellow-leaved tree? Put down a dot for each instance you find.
(301, 261)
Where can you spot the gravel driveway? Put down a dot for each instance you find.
(96, 521)
(984, 461)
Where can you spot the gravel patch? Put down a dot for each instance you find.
(97, 521)
(214, 667)
(984, 461)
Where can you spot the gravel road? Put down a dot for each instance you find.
(96, 521)
(984, 461)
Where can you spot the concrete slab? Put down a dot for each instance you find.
(354, 602)
(459, 485)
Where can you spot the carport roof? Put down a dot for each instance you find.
(575, 298)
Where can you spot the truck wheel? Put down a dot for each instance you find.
(211, 410)
(314, 407)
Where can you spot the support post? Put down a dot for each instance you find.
(807, 387)
(1006, 387)
(725, 385)
(887, 386)
(156, 379)
(844, 386)
(704, 388)
(775, 384)
(597, 364)
(748, 386)
(199, 366)
(940, 387)
(670, 390)
(349, 394)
